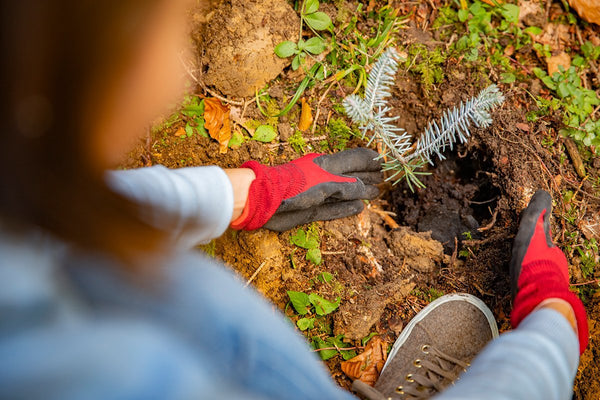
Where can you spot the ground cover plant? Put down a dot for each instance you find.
(344, 282)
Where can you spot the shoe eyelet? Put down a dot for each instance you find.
(409, 378)
(425, 348)
(400, 390)
(417, 363)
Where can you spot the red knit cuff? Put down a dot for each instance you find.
(263, 199)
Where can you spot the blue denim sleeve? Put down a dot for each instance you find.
(246, 339)
(193, 204)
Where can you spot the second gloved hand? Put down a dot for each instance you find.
(312, 188)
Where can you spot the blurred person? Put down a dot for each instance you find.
(102, 296)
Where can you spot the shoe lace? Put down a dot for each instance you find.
(435, 371)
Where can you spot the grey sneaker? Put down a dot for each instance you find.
(434, 349)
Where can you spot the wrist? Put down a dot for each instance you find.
(241, 179)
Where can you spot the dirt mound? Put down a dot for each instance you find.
(237, 44)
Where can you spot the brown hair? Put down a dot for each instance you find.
(55, 54)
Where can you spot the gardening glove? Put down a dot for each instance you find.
(538, 269)
(315, 187)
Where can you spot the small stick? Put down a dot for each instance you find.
(339, 348)
(575, 157)
(255, 273)
(492, 222)
(585, 283)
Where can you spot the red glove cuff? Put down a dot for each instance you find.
(265, 194)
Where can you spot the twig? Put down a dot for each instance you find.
(325, 253)
(255, 273)
(454, 253)
(319, 107)
(492, 222)
(585, 283)
(339, 348)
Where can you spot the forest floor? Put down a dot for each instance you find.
(406, 248)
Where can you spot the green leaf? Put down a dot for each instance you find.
(508, 77)
(533, 30)
(338, 342)
(236, 139)
(311, 6)
(323, 306)
(318, 343)
(265, 134)
(563, 90)
(305, 240)
(286, 49)
(325, 277)
(510, 12)
(578, 61)
(318, 21)
(314, 256)
(305, 323)
(463, 15)
(194, 107)
(299, 238)
(314, 45)
(300, 301)
(366, 339)
(189, 130)
(296, 62)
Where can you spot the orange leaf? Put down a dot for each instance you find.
(306, 117)
(368, 365)
(180, 131)
(216, 117)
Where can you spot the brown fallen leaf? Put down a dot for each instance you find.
(216, 117)
(522, 126)
(180, 131)
(560, 59)
(368, 365)
(587, 9)
(306, 117)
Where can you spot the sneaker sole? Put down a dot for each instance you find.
(444, 299)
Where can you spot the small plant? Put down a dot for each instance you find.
(339, 134)
(400, 155)
(309, 240)
(193, 114)
(317, 21)
(577, 102)
(428, 295)
(313, 308)
(427, 63)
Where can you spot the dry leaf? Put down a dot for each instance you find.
(306, 117)
(368, 365)
(522, 126)
(216, 117)
(180, 131)
(560, 59)
(587, 9)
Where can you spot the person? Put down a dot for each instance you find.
(102, 296)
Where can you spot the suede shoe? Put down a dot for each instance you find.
(434, 349)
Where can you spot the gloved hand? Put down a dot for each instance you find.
(315, 187)
(538, 269)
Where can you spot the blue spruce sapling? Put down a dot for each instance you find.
(400, 155)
